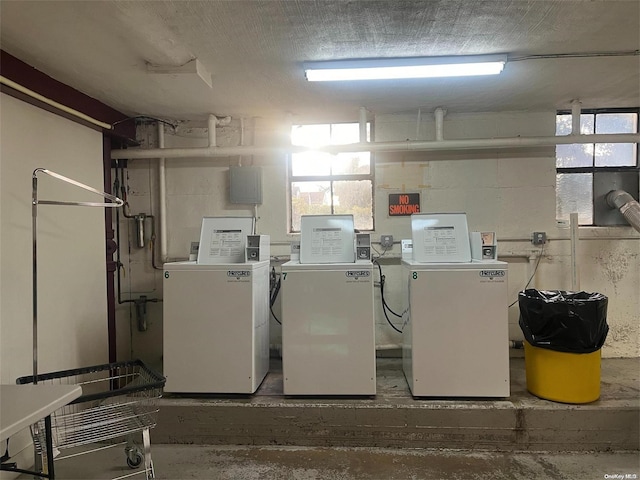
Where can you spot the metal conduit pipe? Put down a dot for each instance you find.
(466, 144)
(627, 205)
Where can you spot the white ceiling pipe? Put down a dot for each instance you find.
(53, 103)
(439, 114)
(443, 145)
(576, 109)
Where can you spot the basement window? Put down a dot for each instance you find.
(321, 183)
(586, 173)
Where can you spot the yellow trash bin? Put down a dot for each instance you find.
(564, 332)
(562, 377)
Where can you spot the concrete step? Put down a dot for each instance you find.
(394, 419)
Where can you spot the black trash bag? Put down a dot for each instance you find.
(573, 322)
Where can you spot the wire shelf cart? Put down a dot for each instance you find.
(119, 399)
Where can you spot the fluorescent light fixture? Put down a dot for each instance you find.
(396, 68)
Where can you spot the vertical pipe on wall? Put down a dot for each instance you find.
(363, 125)
(575, 280)
(532, 268)
(576, 108)
(162, 193)
(211, 130)
(439, 114)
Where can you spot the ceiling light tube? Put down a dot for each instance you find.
(399, 68)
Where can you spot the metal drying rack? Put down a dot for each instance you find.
(113, 203)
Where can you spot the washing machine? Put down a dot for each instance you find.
(328, 331)
(216, 327)
(455, 328)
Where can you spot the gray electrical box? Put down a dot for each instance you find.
(245, 185)
(603, 183)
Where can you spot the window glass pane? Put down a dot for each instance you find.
(616, 154)
(574, 193)
(616, 123)
(311, 163)
(351, 163)
(355, 197)
(309, 198)
(575, 155)
(311, 135)
(564, 124)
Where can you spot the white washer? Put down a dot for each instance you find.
(328, 333)
(216, 327)
(455, 334)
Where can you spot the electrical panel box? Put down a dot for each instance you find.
(327, 239)
(223, 239)
(484, 245)
(258, 248)
(440, 237)
(245, 185)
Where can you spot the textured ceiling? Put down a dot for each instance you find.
(254, 52)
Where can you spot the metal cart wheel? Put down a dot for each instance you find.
(134, 457)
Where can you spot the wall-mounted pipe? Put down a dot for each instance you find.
(162, 194)
(439, 115)
(627, 205)
(417, 146)
(575, 278)
(53, 103)
(576, 110)
(211, 130)
(363, 125)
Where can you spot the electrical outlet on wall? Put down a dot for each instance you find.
(539, 238)
(386, 241)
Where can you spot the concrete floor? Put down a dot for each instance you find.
(177, 462)
(610, 424)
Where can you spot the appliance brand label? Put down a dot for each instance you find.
(492, 273)
(357, 273)
(238, 273)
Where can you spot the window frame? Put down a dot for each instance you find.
(593, 169)
(331, 178)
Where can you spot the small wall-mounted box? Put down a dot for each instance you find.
(258, 248)
(363, 246)
(484, 245)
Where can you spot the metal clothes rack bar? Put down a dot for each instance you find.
(114, 202)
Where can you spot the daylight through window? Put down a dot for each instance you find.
(321, 183)
(580, 168)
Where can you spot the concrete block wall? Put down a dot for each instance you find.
(511, 192)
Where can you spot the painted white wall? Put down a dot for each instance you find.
(72, 324)
(72, 313)
(509, 192)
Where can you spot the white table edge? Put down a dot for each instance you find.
(24, 405)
